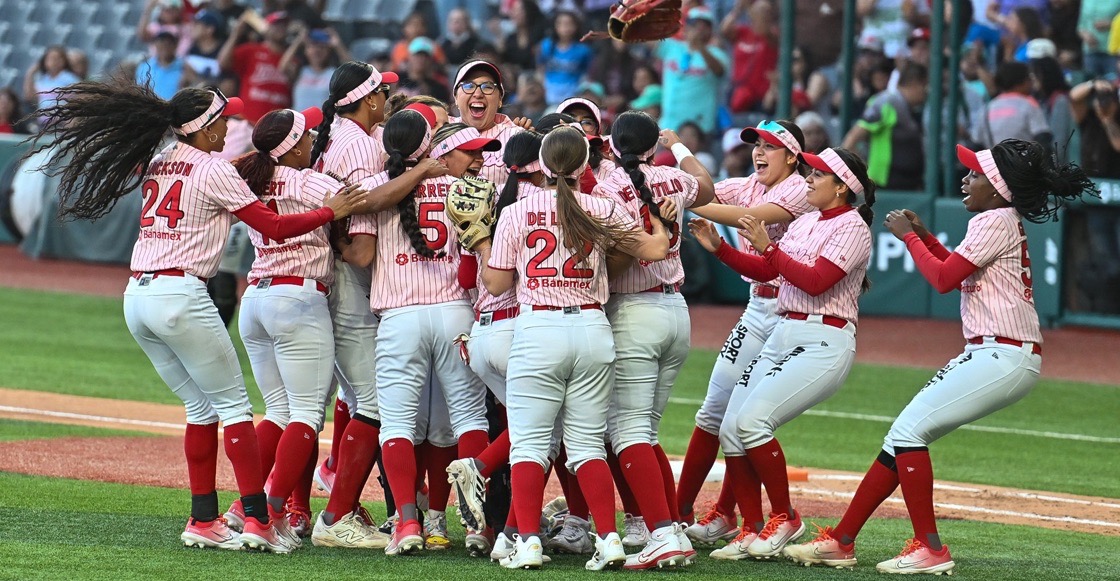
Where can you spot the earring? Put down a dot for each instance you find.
(372, 107)
(213, 138)
(297, 152)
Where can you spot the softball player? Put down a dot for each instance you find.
(1002, 357)
(591, 121)
(560, 365)
(284, 320)
(107, 131)
(422, 309)
(774, 193)
(478, 94)
(651, 328)
(823, 263)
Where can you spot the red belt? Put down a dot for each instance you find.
(166, 272)
(499, 315)
(1037, 349)
(293, 280)
(569, 310)
(826, 319)
(764, 291)
(664, 288)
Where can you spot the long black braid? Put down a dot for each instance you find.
(1039, 185)
(404, 132)
(521, 150)
(635, 133)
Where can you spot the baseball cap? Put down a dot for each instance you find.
(829, 161)
(479, 66)
(466, 138)
(209, 18)
(773, 133)
(918, 34)
(982, 162)
(319, 36)
(421, 44)
(276, 17)
(1041, 48)
(650, 97)
(870, 42)
(732, 141)
(701, 13)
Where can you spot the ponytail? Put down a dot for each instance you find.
(324, 131)
(1039, 185)
(403, 135)
(859, 168)
(257, 169)
(520, 151)
(633, 166)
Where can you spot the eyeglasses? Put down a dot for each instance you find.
(487, 87)
(589, 125)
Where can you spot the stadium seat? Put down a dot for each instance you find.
(10, 76)
(52, 34)
(22, 59)
(79, 15)
(20, 36)
(362, 48)
(396, 10)
(86, 38)
(100, 61)
(47, 13)
(4, 26)
(5, 52)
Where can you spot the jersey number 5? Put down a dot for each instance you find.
(1028, 283)
(424, 217)
(168, 208)
(534, 268)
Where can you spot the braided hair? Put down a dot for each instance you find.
(858, 167)
(521, 150)
(345, 78)
(404, 132)
(1039, 185)
(258, 167)
(633, 134)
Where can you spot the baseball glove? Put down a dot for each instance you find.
(645, 20)
(469, 209)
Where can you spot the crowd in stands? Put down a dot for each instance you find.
(1030, 69)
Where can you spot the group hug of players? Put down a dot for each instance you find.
(562, 305)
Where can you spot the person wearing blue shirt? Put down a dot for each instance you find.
(693, 72)
(563, 59)
(164, 71)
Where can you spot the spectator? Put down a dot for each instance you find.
(530, 102)
(459, 40)
(891, 125)
(591, 91)
(810, 18)
(694, 70)
(164, 72)
(563, 59)
(11, 118)
(79, 62)
(754, 54)
(736, 155)
(982, 31)
(170, 19)
(615, 67)
(323, 51)
(869, 61)
(1021, 26)
(413, 27)
(999, 11)
(810, 87)
(49, 73)
(918, 45)
(1064, 19)
(230, 10)
(239, 132)
(890, 22)
(519, 48)
(1013, 114)
(1052, 92)
(815, 130)
(264, 87)
(1093, 27)
(692, 136)
(644, 76)
(300, 11)
(422, 75)
(649, 101)
(208, 33)
(1096, 110)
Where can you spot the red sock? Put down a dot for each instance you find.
(915, 474)
(747, 488)
(200, 444)
(341, 420)
(877, 485)
(625, 495)
(668, 482)
(357, 452)
(577, 504)
(439, 489)
(294, 449)
(511, 516)
(241, 448)
(528, 495)
(698, 460)
(301, 494)
(770, 463)
(421, 453)
(638, 464)
(595, 481)
(726, 502)
(400, 466)
(495, 455)
(268, 437)
(472, 443)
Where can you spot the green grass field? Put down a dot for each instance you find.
(52, 528)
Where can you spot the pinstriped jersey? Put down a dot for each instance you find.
(493, 166)
(401, 277)
(351, 152)
(487, 302)
(605, 169)
(998, 299)
(529, 240)
(844, 240)
(664, 182)
(292, 191)
(748, 192)
(189, 197)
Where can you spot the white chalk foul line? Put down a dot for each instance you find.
(969, 427)
(955, 488)
(104, 419)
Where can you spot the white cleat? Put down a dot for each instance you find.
(478, 544)
(324, 477)
(778, 531)
(685, 542)
(212, 535)
(609, 554)
(917, 558)
(574, 537)
(662, 550)
(823, 550)
(712, 528)
(503, 546)
(235, 516)
(736, 550)
(470, 491)
(348, 532)
(636, 533)
(265, 538)
(284, 528)
(526, 554)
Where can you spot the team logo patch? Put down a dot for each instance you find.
(533, 284)
(402, 259)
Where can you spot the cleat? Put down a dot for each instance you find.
(214, 534)
(686, 544)
(367, 518)
(823, 550)
(284, 528)
(300, 521)
(348, 532)
(574, 537)
(778, 531)
(406, 539)
(435, 531)
(478, 544)
(235, 516)
(736, 550)
(662, 550)
(917, 558)
(389, 525)
(637, 535)
(713, 527)
(554, 506)
(503, 546)
(264, 537)
(470, 492)
(609, 554)
(526, 554)
(324, 477)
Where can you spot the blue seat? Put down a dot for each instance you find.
(362, 48)
(86, 38)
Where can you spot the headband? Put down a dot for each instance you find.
(991, 171)
(301, 121)
(575, 102)
(645, 156)
(829, 161)
(430, 117)
(574, 175)
(217, 105)
(367, 86)
(467, 139)
(531, 167)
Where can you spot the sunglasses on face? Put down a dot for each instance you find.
(771, 126)
(382, 88)
(487, 87)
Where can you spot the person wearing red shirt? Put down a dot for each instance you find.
(754, 56)
(264, 86)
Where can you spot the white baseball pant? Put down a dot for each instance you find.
(983, 380)
(802, 364)
(652, 338)
(413, 342)
(561, 367)
(489, 348)
(433, 422)
(355, 335)
(287, 334)
(178, 327)
(741, 347)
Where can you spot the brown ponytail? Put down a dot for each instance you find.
(859, 168)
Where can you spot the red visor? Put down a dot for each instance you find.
(235, 107)
(968, 159)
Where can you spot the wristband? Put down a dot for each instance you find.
(680, 151)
